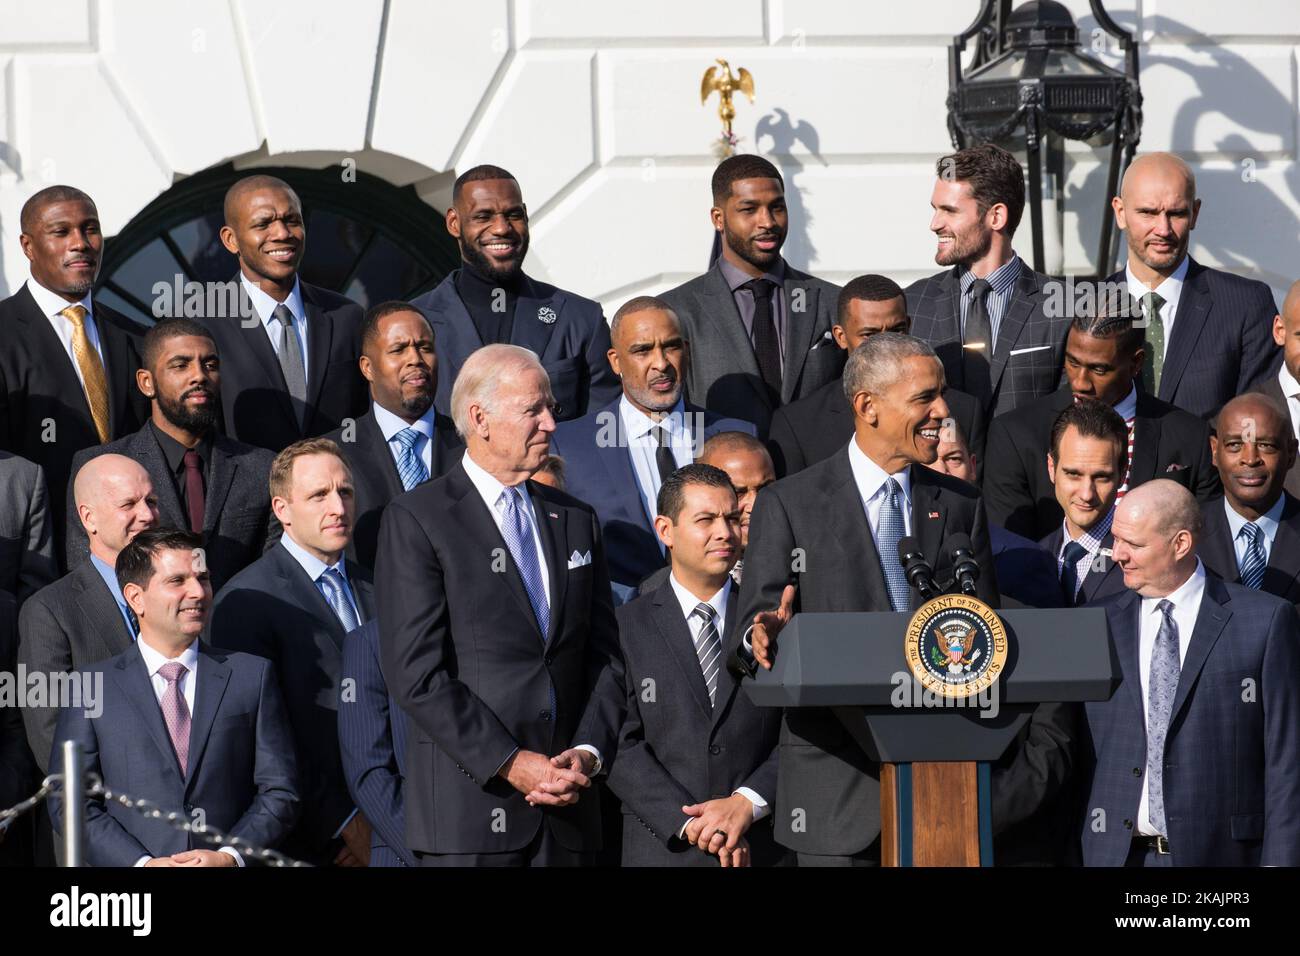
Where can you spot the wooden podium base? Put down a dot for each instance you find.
(935, 814)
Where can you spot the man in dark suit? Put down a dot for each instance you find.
(1208, 332)
(289, 355)
(402, 440)
(846, 515)
(1283, 387)
(66, 362)
(1089, 451)
(619, 455)
(83, 618)
(372, 744)
(204, 481)
(1252, 535)
(497, 638)
(293, 606)
(759, 329)
(1192, 760)
(814, 428)
(18, 778)
(696, 761)
(192, 729)
(987, 316)
(490, 299)
(27, 560)
(1104, 360)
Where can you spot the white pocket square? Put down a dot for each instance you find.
(1033, 348)
(577, 560)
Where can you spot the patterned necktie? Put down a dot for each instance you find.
(1254, 561)
(337, 596)
(1128, 463)
(1155, 343)
(92, 370)
(291, 361)
(664, 459)
(891, 531)
(708, 648)
(1074, 553)
(519, 539)
(410, 466)
(176, 712)
(767, 347)
(1162, 686)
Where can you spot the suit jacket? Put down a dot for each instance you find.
(1104, 576)
(375, 478)
(65, 627)
(567, 332)
(256, 404)
(1030, 348)
(599, 471)
(372, 743)
(1281, 575)
(44, 416)
(1231, 786)
(1270, 386)
(1167, 443)
(678, 749)
(237, 521)
(463, 655)
(273, 609)
(1221, 342)
(723, 373)
(27, 560)
(18, 779)
(814, 428)
(1026, 572)
(240, 772)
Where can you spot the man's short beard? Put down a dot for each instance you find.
(741, 248)
(417, 405)
(197, 421)
(475, 256)
(964, 255)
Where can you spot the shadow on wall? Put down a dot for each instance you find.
(778, 129)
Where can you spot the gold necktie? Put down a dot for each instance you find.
(92, 370)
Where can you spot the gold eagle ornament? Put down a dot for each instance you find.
(721, 79)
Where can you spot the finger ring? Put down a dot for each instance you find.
(721, 833)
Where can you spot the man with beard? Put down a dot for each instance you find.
(986, 316)
(205, 482)
(489, 300)
(618, 456)
(290, 356)
(66, 360)
(403, 440)
(1208, 333)
(760, 329)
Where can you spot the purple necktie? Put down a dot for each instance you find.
(176, 713)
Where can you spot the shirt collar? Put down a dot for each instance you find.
(736, 278)
(870, 477)
(689, 601)
(1169, 289)
(1127, 407)
(1267, 522)
(265, 305)
(154, 660)
(1187, 594)
(313, 565)
(109, 574)
(51, 303)
(1000, 280)
(1093, 537)
(1290, 387)
(174, 451)
(487, 486)
(637, 423)
(390, 424)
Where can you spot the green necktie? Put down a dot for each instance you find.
(1155, 343)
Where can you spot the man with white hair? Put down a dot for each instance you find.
(498, 639)
(1192, 762)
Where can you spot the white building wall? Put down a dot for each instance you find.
(594, 105)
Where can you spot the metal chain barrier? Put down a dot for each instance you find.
(18, 809)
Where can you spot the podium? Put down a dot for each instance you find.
(935, 752)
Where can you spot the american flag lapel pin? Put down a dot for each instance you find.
(552, 514)
(934, 514)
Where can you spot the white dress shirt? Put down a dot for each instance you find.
(51, 305)
(1291, 390)
(1170, 289)
(189, 659)
(390, 424)
(1186, 600)
(1267, 522)
(870, 479)
(265, 308)
(638, 427)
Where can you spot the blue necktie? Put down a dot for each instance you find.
(519, 539)
(1254, 561)
(337, 595)
(1162, 687)
(889, 533)
(410, 466)
(1074, 553)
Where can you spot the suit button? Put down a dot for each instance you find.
(545, 715)
(1128, 824)
(1137, 771)
(715, 749)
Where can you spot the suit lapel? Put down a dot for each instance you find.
(929, 517)
(443, 453)
(1146, 442)
(675, 633)
(1023, 298)
(528, 329)
(320, 333)
(363, 591)
(800, 324)
(298, 584)
(48, 346)
(213, 678)
(1127, 646)
(1217, 543)
(551, 522)
(1210, 621)
(1284, 557)
(103, 616)
(252, 337)
(1092, 581)
(133, 677)
(221, 474)
(114, 345)
(856, 541)
(379, 459)
(144, 446)
(723, 317)
(1194, 306)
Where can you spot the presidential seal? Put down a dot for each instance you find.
(956, 645)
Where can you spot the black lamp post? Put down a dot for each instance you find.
(1028, 79)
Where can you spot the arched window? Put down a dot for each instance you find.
(368, 240)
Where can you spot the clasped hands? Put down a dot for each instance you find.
(191, 858)
(550, 781)
(718, 827)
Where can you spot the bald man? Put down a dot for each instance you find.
(1252, 533)
(1192, 762)
(1208, 332)
(289, 357)
(83, 618)
(1283, 386)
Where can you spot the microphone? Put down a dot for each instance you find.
(919, 573)
(965, 569)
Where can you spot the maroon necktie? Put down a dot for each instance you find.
(194, 489)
